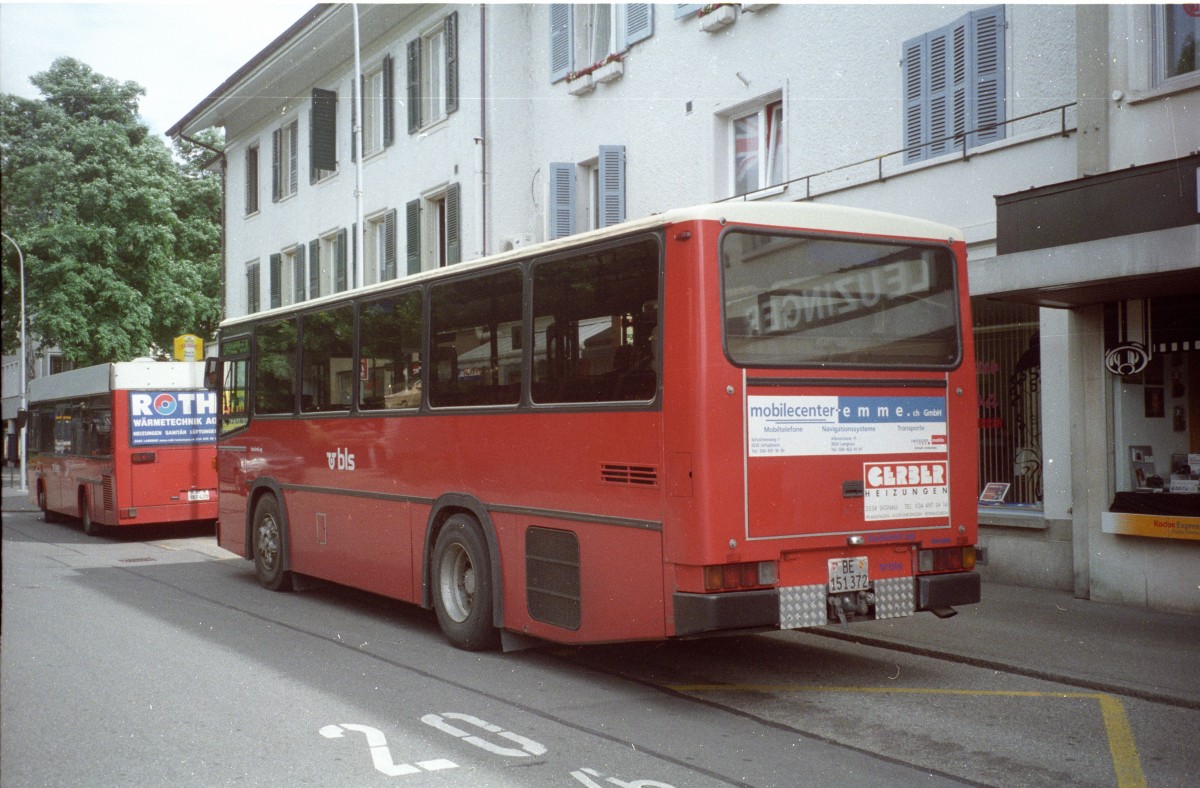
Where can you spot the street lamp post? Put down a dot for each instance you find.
(23, 382)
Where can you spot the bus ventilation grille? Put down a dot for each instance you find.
(637, 475)
(109, 499)
(552, 577)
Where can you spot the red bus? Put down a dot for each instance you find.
(735, 417)
(132, 443)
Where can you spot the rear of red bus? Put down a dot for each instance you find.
(819, 420)
(164, 458)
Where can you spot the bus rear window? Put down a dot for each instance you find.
(799, 301)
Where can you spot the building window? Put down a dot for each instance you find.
(582, 35)
(322, 136)
(433, 230)
(252, 180)
(595, 200)
(378, 118)
(954, 86)
(1176, 28)
(285, 160)
(253, 288)
(1009, 369)
(379, 241)
(757, 148)
(433, 74)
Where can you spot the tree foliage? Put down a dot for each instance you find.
(121, 239)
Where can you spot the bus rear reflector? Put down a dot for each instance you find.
(730, 577)
(949, 559)
(142, 457)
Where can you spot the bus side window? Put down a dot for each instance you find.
(275, 367)
(476, 340)
(390, 353)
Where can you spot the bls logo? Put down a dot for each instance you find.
(341, 460)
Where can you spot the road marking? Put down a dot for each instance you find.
(1126, 763)
(381, 756)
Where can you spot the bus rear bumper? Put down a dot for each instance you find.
(697, 614)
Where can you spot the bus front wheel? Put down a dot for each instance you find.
(462, 585)
(268, 546)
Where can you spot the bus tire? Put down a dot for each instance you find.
(462, 585)
(47, 515)
(90, 527)
(269, 546)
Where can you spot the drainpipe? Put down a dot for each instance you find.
(357, 277)
(481, 181)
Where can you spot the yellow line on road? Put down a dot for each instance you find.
(1126, 763)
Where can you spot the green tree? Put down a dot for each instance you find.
(121, 239)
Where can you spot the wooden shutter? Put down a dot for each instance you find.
(915, 92)
(450, 33)
(276, 162)
(294, 156)
(355, 88)
(322, 144)
(252, 288)
(939, 87)
(453, 226)
(276, 272)
(252, 180)
(561, 40)
(389, 101)
(562, 199)
(414, 86)
(389, 245)
(339, 262)
(639, 22)
(314, 268)
(412, 228)
(299, 275)
(612, 184)
(987, 78)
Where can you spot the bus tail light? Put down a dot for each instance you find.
(949, 559)
(730, 577)
(142, 457)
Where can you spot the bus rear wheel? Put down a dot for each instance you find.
(269, 546)
(90, 527)
(462, 585)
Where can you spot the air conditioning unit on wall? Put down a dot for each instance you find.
(517, 241)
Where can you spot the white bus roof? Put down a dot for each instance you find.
(799, 216)
(102, 378)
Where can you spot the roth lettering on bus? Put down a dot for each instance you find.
(925, 474)
(166, 403)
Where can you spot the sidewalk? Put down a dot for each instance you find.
(1045, 634)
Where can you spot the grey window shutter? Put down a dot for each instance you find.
(453, 226)
(915, 93)
(414, 85)
(314, 268)
(276, 272)
(294, 157)
(988, 77)
(940, 88)
(612, 185)
(562, 199)
(299, 274)
(352, 263)
(322, 142)
(252, 288)
(412, 222)
(389, 101)
(561, 40)
(639, 22)
(339, 262)
(450, 33)
(683, 10)
(389, 245)
(276, 161)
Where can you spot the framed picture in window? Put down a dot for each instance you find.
(1155, 405)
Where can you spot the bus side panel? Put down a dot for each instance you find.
(232, 497)
(597, 599)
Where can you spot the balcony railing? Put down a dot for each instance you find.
(879, 175)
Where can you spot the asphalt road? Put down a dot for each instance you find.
(156, 659)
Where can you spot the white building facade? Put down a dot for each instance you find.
(488, 127)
